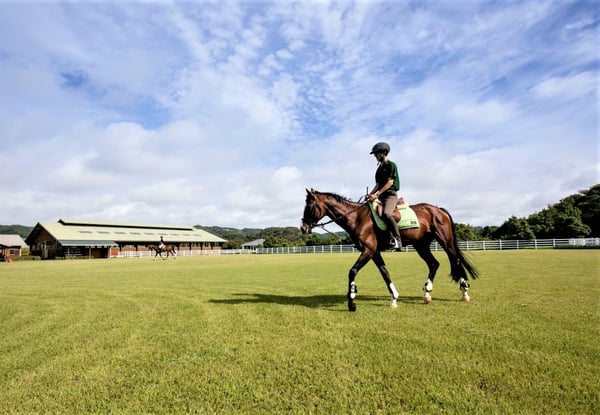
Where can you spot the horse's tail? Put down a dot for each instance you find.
(460, 265)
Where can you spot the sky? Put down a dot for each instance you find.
(222, 113)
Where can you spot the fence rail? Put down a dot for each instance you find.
(464, 245)
(332, 249)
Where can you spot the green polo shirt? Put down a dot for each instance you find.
(385, 171)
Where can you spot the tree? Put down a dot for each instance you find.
(313, 239)
(487, 232)
(274, 242)
(514, 228)
(542, 223)
(568, 222)
(330, 239)
(588, 202)
(466, 232)
(565, 219)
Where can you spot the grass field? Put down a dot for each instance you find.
(271, 334)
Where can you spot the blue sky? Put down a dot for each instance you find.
(222, 113)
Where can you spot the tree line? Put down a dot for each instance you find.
(575, 216)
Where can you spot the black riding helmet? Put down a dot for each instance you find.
(381, 147)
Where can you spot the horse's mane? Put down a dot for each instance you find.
(337, 197)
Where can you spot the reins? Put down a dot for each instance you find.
(334, 220)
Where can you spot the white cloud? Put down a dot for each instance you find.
(222, 113)
(488, 113)
(568, 87)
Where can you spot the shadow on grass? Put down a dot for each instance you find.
(311, 301)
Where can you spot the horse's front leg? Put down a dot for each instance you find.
(352, 290)
(378, 259)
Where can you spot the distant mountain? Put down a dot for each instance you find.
(21, 230)
(247, 234)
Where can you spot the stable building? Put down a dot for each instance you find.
(11, 246)
(71, 238)
(253, 245)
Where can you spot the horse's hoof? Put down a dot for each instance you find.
(466, 299)
(393, 305)
(352, 307)
(427, 299)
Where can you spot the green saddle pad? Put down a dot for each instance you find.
(408, 218)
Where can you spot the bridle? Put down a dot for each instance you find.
(313, 224)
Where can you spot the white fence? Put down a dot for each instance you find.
(464, 245)
(331, 249)
(183, 252)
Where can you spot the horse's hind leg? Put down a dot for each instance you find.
(464, 288)
(378, 259)
(433, 264)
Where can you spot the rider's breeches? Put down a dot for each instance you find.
(390, 200)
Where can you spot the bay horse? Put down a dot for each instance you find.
(169, 249)
(356, 219)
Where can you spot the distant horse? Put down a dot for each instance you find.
(169, 249)
(356, 219)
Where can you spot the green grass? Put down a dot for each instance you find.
(271, 334)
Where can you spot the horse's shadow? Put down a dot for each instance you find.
(310, 301)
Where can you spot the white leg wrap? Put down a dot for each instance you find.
(353, 290)
(394, 291)
(428, 287)
(464, 288)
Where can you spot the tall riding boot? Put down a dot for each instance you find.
(395, 240)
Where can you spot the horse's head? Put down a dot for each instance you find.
(313, 212)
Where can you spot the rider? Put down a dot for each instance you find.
(387, 184)
(161, 244)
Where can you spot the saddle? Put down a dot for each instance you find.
(404, 215)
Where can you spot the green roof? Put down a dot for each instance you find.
(90, 242)
(83, 222)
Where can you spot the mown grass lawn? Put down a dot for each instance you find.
(271, 334)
